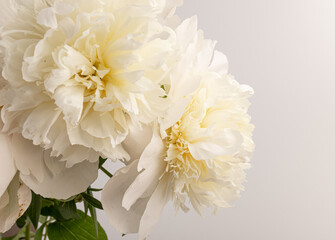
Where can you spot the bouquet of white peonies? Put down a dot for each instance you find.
(85, 82)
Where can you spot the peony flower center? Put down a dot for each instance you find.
(180, 161)
(91, 72)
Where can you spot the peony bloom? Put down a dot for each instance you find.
(77, 72)
(199, 149)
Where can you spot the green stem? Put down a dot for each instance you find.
(46, 232)
(106, 172)
(28, 231)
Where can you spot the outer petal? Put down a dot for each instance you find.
(144, 213)
(153, 166)
(13, 203)
(124, 221)
(28, 157)
(48, 176)
(219, 63)
(186, 31)
(39, 122)
(226, 142)
(137, 140)
(7, 169)
(154, 208)
(47, 17)
(7, 11)
(64, 182)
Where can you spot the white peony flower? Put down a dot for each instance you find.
(201, 149)
(77, 72)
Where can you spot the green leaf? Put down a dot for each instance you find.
(93, 213)
(94, 217)
(70, 199)
(92, 201)
(86, 208)
(47, 203)
(34, 209)
(102, 161)
(68, 210)
(39, 233)
(95, 189)
(53, 211)
(21, 222)
(75, 229)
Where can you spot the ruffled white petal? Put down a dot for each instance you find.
(70, 100)
(215, 143)
(49, 176)
(47, 18)
(219, 63)
(38, 124)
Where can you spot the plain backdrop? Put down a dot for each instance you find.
(285, 50)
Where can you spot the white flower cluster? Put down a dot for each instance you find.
(125, 80)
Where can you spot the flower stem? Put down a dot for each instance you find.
(28, 231)
(106, 172)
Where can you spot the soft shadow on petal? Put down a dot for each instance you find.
(49, 176)
(7, 11)
(13, 203)
(137, 140)
(154, 208)
(153, 166)
(7, 169)
(124, 221)
(66, 182)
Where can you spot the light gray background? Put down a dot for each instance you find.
(284, 49)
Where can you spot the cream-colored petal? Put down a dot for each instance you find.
(28, 157)
(19, 198)
(124, 221)
(137, 139)
(60, 182)
(225, 142)
(219, 63)
(154, 208)
(100, 125)
(70, 100)
(7, 11)
(186, 31)
(38, 123)
(47, 17)
(7, 169)
(153, 165)
(49, 176)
